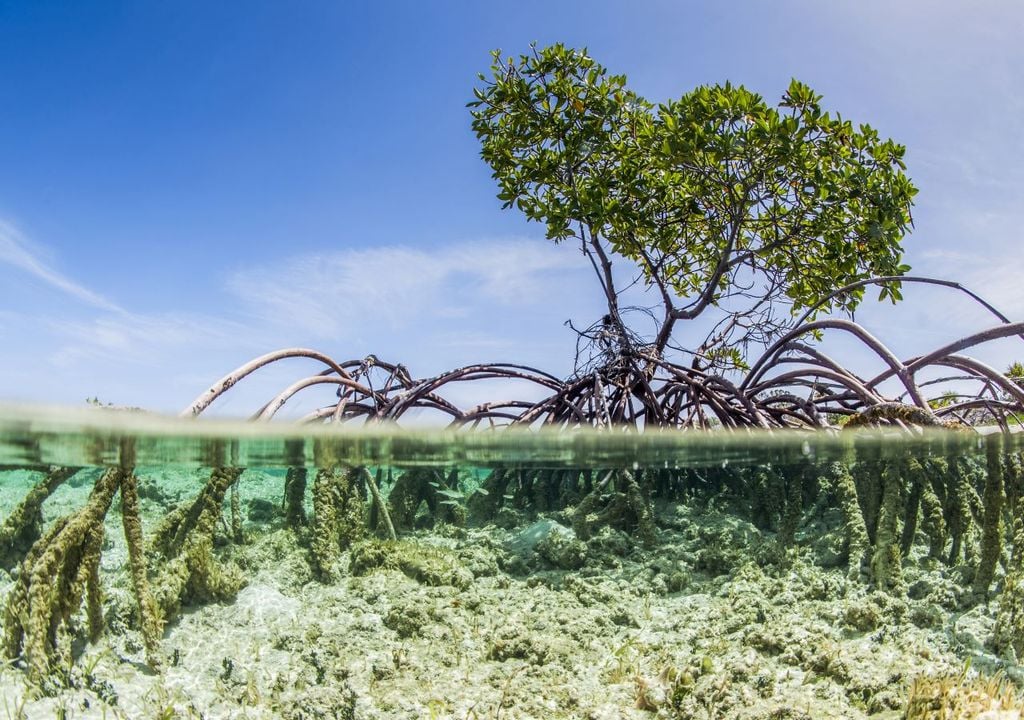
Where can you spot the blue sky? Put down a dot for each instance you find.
(186, 185)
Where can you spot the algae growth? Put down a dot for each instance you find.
(847, 578)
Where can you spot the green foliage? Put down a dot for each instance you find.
(727, 357)
(705, 193)
(945, 400)
(1015, 371)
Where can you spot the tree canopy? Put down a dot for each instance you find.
(721, 199)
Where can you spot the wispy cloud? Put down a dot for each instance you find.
(981, 252)
(344, 293)
(437, 309)
(151, 339)
(15, 250)
(432, 310)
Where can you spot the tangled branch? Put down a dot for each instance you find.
(792, 384)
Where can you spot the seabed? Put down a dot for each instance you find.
(724, 602)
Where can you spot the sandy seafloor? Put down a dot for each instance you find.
(523, 621)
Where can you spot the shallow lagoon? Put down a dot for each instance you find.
(535, 575)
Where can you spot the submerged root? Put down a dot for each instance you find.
(419, 487)
(338, 516)
(295, 497)
(1009, 632)
(932, 521)
(585, 513)
(61, 571)
(626, 509)
(189, 571)
(956, 696)
(885, 560)
(151, 621)
(236, 515)
(483, 506)
(855, 531)
(24, 525)
(792, 507)
(911, 508)
(379, 504)
(58, 571)
(640, 505)
(960, 499)
(991, 531)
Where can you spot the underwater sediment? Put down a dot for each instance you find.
(857, 579)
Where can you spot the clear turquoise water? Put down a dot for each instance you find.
(670, 517)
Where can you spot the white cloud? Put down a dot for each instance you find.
(349, 293)
(432, 310)
(513, 272)
(14, 250)
(137, 338)
(329, 294)
(982, 252)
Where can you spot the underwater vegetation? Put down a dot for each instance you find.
(941, 503)
(956, 696)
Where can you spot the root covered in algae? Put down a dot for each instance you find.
(885, 561)
(294, 497)
(236, 514)
(617, 501)
(955, 697)
(421, 487)
(59, 569)
(1009, 633)
(429, 565)
(23, 526)
(184, 542)
(378, 502)
(856, 532)
(151, 619)
(338, 516)
(881, 512)
(933, 521)
(991, 531)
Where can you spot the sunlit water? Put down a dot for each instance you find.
(535, 574)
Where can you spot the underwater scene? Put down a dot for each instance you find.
(158, 568)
